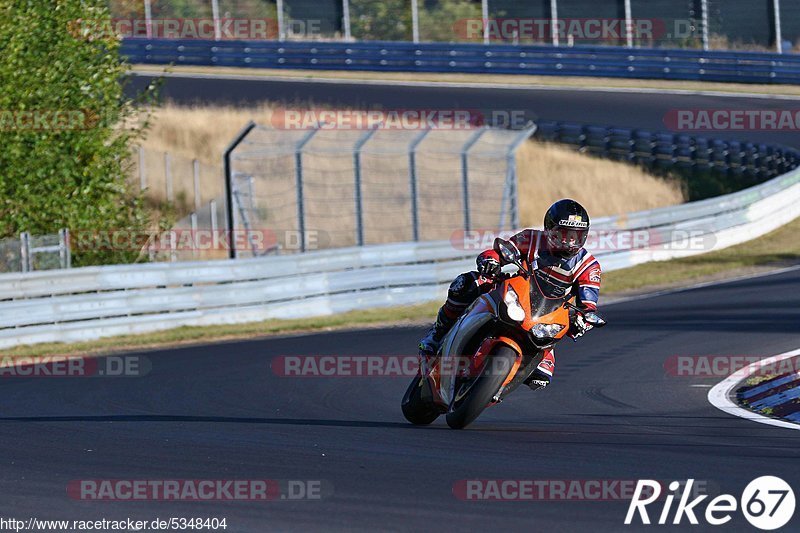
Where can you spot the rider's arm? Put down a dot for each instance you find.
(521, 240)
(588, 283)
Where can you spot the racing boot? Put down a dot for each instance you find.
(543, 374)
(429, 344)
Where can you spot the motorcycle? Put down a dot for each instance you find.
(492, 348)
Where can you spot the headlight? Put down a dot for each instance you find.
(513, 308)
(546, 331)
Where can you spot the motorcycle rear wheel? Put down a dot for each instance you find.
(483, 388)
(415, 409)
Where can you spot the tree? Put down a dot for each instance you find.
(65, 124)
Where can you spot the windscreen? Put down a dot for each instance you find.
(540, 304)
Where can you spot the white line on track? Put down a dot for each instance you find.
(466, 85)
(720, 395)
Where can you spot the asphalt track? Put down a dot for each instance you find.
(618, 108)
(220, 412)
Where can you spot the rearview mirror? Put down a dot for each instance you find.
(509, 254)
(594, 320)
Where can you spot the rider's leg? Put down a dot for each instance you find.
(543, 373)
(463, 291)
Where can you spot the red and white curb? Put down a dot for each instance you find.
(720, 394)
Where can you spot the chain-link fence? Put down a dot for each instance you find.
(722, 24)
(186, 184)
(35, 252)
(325, 188)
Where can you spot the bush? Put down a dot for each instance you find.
(65, 125)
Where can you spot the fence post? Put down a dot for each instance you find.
(196, 178)
(485, 15)
(357, 185)
(25, 252)
(298, 167)
(64, 250)
(777, 19)
(346, 19)
(554, 21)
(226, 158)
(148, 19)
(281, 25)
(704, 20)
(215, 15)
(212, 211)
(193, 222)
(414, 21)
(412, 178)
(168, 176)
(465, 174)
(628, 24)
(142, 171)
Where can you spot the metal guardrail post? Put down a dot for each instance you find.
(357, 185)
(64, 250)
(414, 21)
(298, 167)
(776, 6)
(412, 178)
(229, 186)
(554, 21)
(25, 252)
(465, 174)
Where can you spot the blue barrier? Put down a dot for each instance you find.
(650, 63)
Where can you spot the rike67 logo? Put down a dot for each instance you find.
(767, 503)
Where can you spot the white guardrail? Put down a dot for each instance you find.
(93, 302)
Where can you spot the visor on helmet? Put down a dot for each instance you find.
(566, 242)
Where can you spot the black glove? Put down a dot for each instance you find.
(578, 327)
(489, 267)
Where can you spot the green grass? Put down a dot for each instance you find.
(779, 248)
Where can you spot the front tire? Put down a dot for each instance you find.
(415, 409)
(483, 389)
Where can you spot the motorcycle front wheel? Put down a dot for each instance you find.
(415, 409)
(475, 395)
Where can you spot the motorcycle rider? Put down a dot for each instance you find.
(561, 265)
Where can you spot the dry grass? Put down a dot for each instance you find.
(546, 172)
